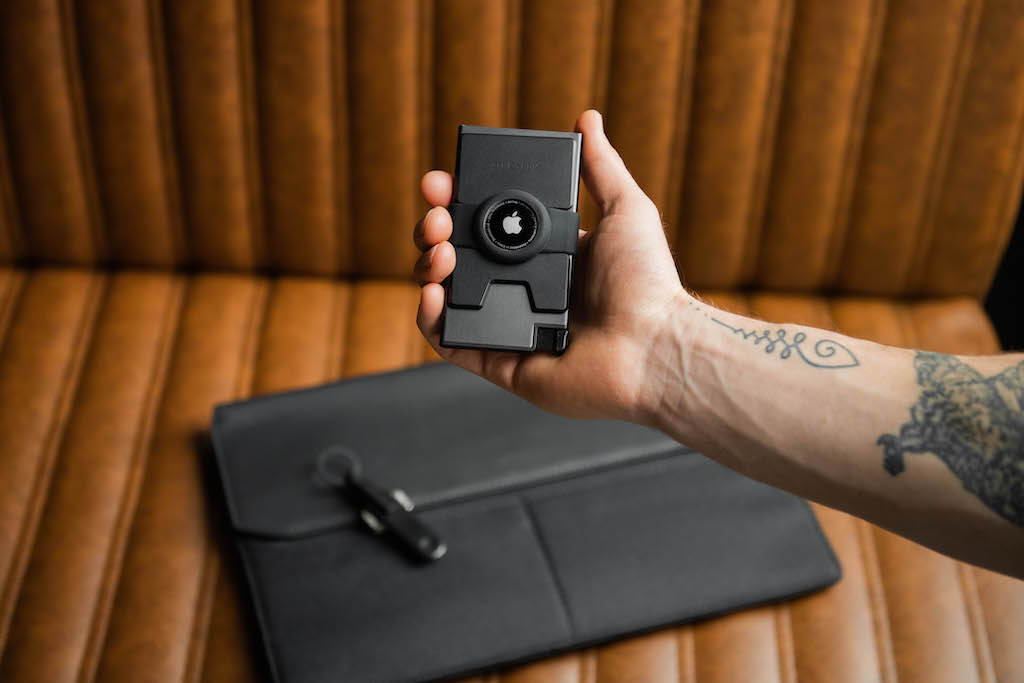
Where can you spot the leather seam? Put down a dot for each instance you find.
(854, 147)
(336, 346)
(199, 630)
(868, 552)
(976, 622)
(202, 610)
(687, 60)
(906, 320)
(114, 562)
(425, 92)
(686, 654)
(345, 369)
(513, 49)
(81, 133)
(249, 110)
(603, 54)
(342, 161)
(778, 73)
(166, 138)
(12, 229)
(50, 451)
(588, 667)
(783, 627)
(941, 148)
(10, 303)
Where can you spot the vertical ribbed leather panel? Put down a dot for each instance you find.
(916, 92)
(470, 74)
(922, 589)
(652, 657)
(300, 345)
(979, 193)
(672, 210)
(232, 648)
(381, 331)
(209, 55)
(740, 53)
(833, 631)
(295, 73)
(829, 72)
(569, 668)
(50, 159)
(162, 603)
(40, 362)
(644, 80)
(558, 62)
(291, 135)
(303, 334)
(1002, 602)
(738, 647)
(385, 82)
(125, 92)
(60, 617)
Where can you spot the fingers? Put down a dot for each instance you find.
(434, 228)
(435, 264)
(428, 317)
(498, 367)
(436, 187)
(604, 172)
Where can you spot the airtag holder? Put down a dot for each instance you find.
(512, 226)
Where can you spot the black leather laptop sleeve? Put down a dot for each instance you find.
(560, 533)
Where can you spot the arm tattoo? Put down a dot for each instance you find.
(973, 424)
(825, 353)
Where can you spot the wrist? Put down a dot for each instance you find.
(666, 359)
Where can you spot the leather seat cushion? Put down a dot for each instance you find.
(113, 567)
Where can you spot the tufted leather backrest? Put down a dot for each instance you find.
(853, 145)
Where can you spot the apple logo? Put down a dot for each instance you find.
(511, 225)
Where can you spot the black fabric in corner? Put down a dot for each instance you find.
(560, 533)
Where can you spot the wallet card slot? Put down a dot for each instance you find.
(545, 551)
(646, 545)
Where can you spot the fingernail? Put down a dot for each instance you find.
(430, 255)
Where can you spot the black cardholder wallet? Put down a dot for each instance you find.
(560, 533)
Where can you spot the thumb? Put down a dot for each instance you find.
(604, 172)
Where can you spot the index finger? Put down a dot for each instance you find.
(436, 187)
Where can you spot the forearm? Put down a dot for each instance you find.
(809, 410)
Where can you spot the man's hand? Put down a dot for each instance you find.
(624, 283)
(926, 445)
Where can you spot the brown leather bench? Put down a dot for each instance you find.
(205, 200)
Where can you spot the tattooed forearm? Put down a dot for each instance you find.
(974, 424)
(823, 353)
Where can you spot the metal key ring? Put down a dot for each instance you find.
(335, 464)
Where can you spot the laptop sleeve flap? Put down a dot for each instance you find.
(560, 533)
